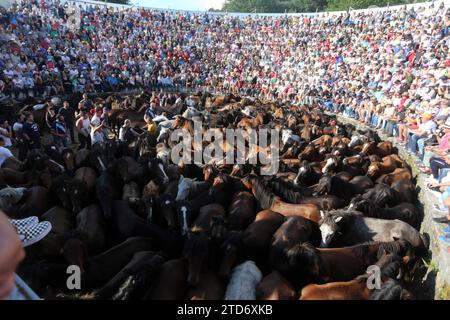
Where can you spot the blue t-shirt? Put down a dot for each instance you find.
(112, 80)
(59, 127)
(150, 113)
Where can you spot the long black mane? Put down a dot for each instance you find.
(286, 191)
(335, 186)
(262, 191)
(390, 290)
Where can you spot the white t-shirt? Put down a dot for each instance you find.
(4, 154)
(97, 136)
(427, 126)
(17, 127)
(5, 138)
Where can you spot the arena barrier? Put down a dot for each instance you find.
(436, 281)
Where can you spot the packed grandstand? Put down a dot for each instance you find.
(388, 68)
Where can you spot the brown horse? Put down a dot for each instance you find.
(209, 287)
(268, 200)
(391, 266)
(257, 237)
(197, 247)
(251, 123)
(275, 287)
(310, 154)
(18, 178)
(241, 211)
(338, 264)
(90, 223)
(171, 282)
(381, 149)
(356, 289)
(397, 175)
(37, 201)
(387, 165)
(324, 140)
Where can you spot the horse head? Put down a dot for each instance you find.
(374, 170)
(331, 162)
(306, 259)
(68, 156)
(232, 251)
(359, 203)
(330, 226)
(323, 186)
(303, 170)
(76, 190)
(218, 229)
(167, 204)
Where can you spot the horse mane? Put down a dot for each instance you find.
(285, 190)
(380, 195)
(234, 181)
(361, 250)
(370, 208)
(262, 192)
(390, 290)
(399, 247)
(306, 260)
(390, 265)
(304, 248)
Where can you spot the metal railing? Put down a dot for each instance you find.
(22, 291)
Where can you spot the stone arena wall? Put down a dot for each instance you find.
(435, 283)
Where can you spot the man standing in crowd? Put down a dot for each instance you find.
(85, 103)
(69, 117)
(50, 118)
(30, 132)
(18, 136)
(59, 132)
(83, 126)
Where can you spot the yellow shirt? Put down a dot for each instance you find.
(151, 127)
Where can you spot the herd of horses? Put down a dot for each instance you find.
(141, 227)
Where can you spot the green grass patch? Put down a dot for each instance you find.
(444, 292)
(430, 264)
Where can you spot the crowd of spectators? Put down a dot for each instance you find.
(386, 68)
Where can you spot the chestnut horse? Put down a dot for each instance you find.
(268, 200)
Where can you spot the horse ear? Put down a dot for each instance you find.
(337, 219)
